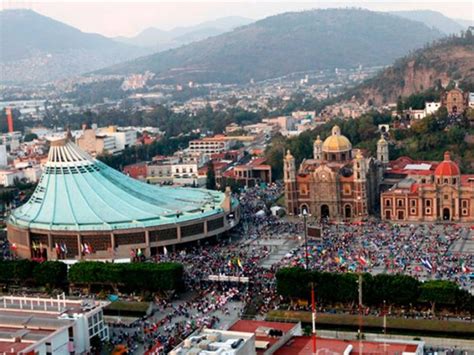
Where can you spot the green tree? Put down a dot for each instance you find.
(438, 292)
(30, 137)
(210, 176)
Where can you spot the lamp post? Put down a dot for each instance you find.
(305, 216)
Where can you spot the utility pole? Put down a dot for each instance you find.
(359, 332)
(313, 316)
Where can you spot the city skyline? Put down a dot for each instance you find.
(111, 18)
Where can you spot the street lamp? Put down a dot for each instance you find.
(305, 216)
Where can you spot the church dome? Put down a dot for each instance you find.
(336, 142)
(447, 167)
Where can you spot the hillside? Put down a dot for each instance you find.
(447, 60)
(287, 43)
(38, 48)
(433, 19)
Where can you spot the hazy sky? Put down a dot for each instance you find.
(113, 18)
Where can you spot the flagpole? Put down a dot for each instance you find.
(313, 307)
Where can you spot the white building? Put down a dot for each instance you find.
(210, 145)
(109, 140)
(222, 342)
(300, 115)
(8, 177)
(3, 155)
(431, 107)
(59, 326)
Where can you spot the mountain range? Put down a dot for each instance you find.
(287, 43)
(36, 48)
(433, 19)
(160, 40)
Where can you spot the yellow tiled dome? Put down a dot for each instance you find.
(336, 142)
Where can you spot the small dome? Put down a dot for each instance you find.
(336, 142)
(447, 167)
(318, 140)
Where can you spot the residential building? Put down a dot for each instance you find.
(109, 140)
(9, 176)
(210, 145)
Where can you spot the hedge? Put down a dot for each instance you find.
(22, 272)
(132, 277)
(402, 290)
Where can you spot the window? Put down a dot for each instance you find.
(413, 203)
(445, 181)
(428, 211)
(387, 203)
(413, 211)
(464, 212)
(454, 181)
(423, 181)
(400, 203)
(464, 204)
(347, 190)
(428, 203)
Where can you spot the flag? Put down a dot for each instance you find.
(139, 252)
(34, 246)
(65, 248)
(230, 263)
(61, 246)
(362, 260)
(58, 249)
(239, 264)
(464, 268)
(426, 263)
(165, 251)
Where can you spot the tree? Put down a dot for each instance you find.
(211, 176)
(96, 344)
(438, 292)
(50, 274)
(30, 137)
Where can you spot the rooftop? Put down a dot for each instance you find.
(302, 345)
(78, 192)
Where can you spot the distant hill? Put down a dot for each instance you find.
(37, 48)
(288, 43)
(449, 60)
(433, 19)
(160, 40)
(464, 23)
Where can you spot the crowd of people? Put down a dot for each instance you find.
(423, 251)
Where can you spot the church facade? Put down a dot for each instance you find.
(438, 192)
(339, 183)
